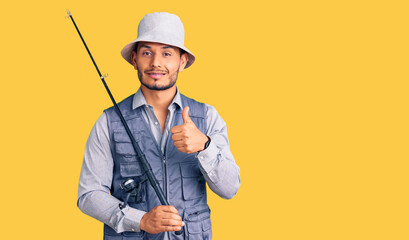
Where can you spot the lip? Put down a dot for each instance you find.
(156, 75)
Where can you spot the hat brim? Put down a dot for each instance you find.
(127, 51)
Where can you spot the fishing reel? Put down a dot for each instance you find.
(128, 186)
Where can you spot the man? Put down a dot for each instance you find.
(184, 141)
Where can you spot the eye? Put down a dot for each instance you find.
(167, 54)
(146, 53)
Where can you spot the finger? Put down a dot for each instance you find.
(179, 144)
(185, 115)
(178, 141)
(171, 216)
(169, 209)
(172, 222)
(177, 137)
(182, 149)
(171, 229)
(176, 129)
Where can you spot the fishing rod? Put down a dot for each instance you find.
(145, 164)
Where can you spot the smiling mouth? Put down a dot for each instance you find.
(156, 75)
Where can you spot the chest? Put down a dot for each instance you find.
(162, 116)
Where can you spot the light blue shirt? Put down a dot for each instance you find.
(217, 165)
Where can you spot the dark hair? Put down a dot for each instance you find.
(135, 49)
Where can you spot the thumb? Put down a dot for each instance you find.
(185, 115)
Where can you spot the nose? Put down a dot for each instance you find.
(156, 61)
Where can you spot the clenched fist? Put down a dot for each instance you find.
(161, 219)
(187, 138)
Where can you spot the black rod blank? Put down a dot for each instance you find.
(145, 164)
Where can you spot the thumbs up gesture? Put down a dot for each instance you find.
(187, 138)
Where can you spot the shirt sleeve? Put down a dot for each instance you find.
(217, 162)
(95, 182)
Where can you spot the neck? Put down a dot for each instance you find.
(159, 99)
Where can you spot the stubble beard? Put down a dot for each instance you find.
(154, 86)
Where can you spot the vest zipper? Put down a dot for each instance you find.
(167, 142)
(165, 186)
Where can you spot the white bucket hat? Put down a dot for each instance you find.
(162, 28)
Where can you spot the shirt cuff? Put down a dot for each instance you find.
(207, 157)
(132, 219)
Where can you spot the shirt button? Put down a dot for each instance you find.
(133, 229)
(156, 123)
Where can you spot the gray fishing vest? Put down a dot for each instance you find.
(178, 173)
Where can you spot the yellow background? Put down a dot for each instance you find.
(314, 93)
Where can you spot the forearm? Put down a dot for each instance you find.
(217, 163)
(105, 208)
(219, 169)
(95, 181)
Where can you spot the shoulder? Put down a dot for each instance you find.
(125, 106)
(197, 109)
(212, 114)
(209, 111)
(100, 129)
(189, 100)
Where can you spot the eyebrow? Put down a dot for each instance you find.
(167, 46)
(164, 47)
(145, 46)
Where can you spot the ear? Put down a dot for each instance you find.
(133, 59)
(183, 61)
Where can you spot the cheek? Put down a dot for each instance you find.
(174, 66)
(142, 66)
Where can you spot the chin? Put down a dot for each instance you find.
(157, 84)
(157, 87)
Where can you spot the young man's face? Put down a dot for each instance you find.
(158, 64)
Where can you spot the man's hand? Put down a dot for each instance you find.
(161, 219)
(187, 138)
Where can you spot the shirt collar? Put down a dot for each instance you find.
(139, 100)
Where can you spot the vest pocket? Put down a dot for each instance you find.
(198, 223)
(112, 235)
(123, 146)
(133, 235)
(193, 183)
(133, 170)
